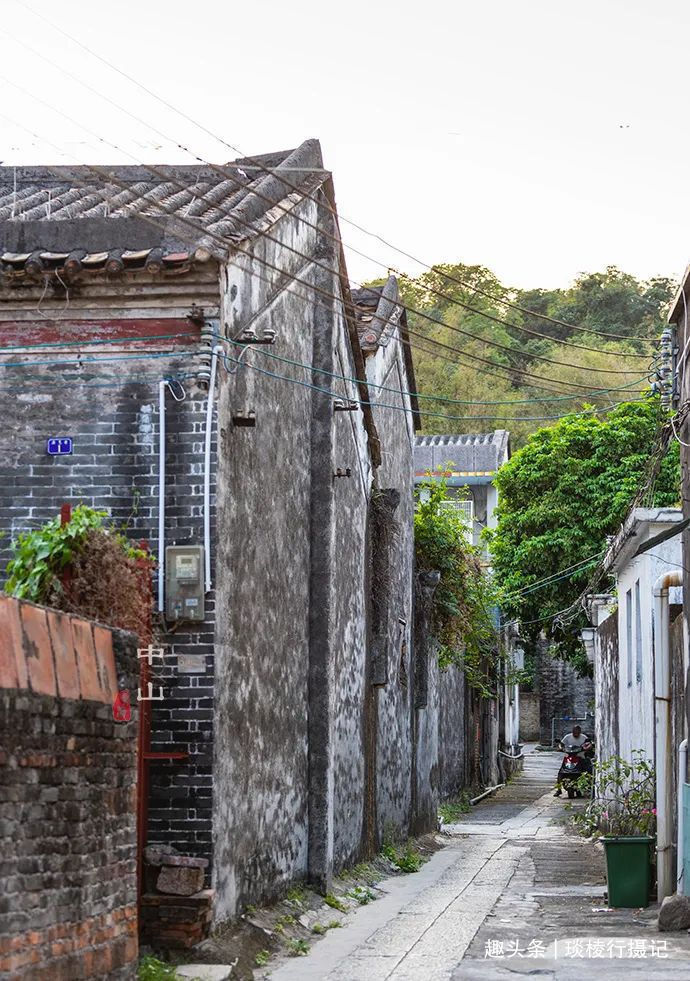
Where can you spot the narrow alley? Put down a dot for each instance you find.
(514, 892)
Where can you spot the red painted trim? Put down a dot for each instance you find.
(15, 333)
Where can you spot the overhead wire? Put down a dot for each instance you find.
(166, 178)
(422, 412)
(258, 164)
(436, 398)
(227, 244)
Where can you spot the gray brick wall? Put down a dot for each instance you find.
(115, 467)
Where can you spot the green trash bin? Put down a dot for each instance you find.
(628, 870)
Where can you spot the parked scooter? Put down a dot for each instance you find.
(574, 765)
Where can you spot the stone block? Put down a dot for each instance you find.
(205, 972)
(86, 656)
(180, 880)
(13, 673)
(65, 660)
(674, 913)
(39, 650)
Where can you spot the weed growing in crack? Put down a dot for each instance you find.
(298, 948)
(262, 958)
(361, 894)
(335, 903)
(405, 859)
(452, 810)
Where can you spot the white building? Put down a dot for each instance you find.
(624, 672)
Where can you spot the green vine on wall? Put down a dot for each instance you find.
(465, 598)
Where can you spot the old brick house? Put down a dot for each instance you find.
(180, 348)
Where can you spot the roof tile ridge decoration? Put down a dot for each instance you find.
(254, 204)
(387, 314)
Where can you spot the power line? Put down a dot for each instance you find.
(223, 171)
(166, 178)
(108, 340)
(566, 573)
(229, 245)
(122, 357)
(261, 166)
(437, 398)
(384, 405)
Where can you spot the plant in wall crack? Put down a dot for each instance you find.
(465, 598)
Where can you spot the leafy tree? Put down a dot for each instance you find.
(560, 496)
(611, 301)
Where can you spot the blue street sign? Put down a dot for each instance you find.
(59, 445)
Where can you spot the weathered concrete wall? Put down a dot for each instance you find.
(530, 729)
(261, 802)
(563, 695)
(606, 674)
(453, 736)
(350, 602)
(394, 749)
(68, 834)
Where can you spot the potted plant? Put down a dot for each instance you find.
(623, 813)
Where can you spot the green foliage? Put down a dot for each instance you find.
(297, 896)
(319, 929)
(560, 496)
(40, 556)
(625, 798)
(262, 958)
(334, 902)
(452, 810)
(151, 969)
(464, 599)
(361, 895)
(610, 301)
(405, 858)
(333, 924)
(298, 948)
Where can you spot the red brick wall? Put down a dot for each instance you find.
(68, 816)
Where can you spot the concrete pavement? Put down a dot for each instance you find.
(512, 893)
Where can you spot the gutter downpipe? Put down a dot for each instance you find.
(680, 850)
(162, 385)
(207, 468)
(662, 698)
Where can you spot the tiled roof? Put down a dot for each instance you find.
(125, 213)
(379, 312)
(469, 453)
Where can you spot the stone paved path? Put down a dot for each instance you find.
(511, 881)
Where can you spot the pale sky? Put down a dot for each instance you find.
(536, 137)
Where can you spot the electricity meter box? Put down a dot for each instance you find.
(184, 582)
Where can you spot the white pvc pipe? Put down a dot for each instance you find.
(662, 695)
(207, 468)
(161, 495)
(680, 850)
(491, 790)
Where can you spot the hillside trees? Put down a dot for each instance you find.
(612, 302)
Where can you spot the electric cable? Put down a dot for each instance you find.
(225, 173)
(422, 412)
(257, 164)
(234, 246)
(436, 398)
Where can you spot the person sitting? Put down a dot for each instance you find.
(573, 743)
